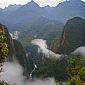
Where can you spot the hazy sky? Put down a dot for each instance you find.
(4, 3)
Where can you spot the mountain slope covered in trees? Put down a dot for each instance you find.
(73, 36)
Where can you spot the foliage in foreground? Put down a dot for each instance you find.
(76, 69)
(3, 45)
(3, 51)
(4, 83)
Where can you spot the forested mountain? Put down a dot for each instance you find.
(46, 66)
(73, 36)
(31, 11)
(24, 15)
(17, 52)
(35, 20)
(69, 9)
(11, 8)
(41, 28)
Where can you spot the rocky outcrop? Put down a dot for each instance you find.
(73, 36)
(16, 51)
(10, 43)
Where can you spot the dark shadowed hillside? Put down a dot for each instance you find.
(73, 36)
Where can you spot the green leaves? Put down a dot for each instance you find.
(76, 68)
(3, 45)
(75, 80)
(82, 74)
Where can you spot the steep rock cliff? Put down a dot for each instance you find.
(73, 36)
(16, 51)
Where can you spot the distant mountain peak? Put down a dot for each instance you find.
(32, 0)
(32, 3)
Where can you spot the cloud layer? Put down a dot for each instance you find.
(13, 73)
(42, 47)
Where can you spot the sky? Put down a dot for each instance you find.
(5, 3)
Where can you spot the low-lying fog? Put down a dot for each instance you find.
(13, 73)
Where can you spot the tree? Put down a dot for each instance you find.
(82, 74)
(76, 68)
(3, 45)
(3, 50)
(73, 66)
(75, 80)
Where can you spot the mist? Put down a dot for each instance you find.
(15, 35)
(42, 47)
(80, 51)
(13, 74)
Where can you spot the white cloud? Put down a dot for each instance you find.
(44, 49)
(80, 51)
(48, 2)
(13, 73)
(15, 35)
(4, 3)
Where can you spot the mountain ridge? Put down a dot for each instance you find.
(75, 8)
